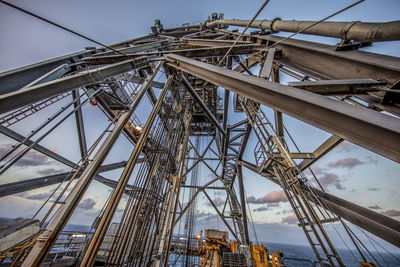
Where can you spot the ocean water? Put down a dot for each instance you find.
(306, 253)
(288, 250)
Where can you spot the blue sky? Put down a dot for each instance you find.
(348, 171)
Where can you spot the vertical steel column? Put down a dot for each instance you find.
(98, 236)
(243, 202)
(279, 130)
(46, 240)
(79, 123)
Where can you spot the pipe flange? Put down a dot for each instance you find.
(347, 28)
(261, 23)
(272, 24)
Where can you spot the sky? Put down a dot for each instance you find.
(348, 171)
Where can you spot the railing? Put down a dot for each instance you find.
(24, 112)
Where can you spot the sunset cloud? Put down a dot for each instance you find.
(261, 209)
(375, 207)
(87, 204)
(217, 202)
(327, 179)
(271, 197)
(291, 219)
(348, 163)
(391, 213)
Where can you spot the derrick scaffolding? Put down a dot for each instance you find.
(340, 90)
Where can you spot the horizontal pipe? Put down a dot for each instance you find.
(370, 129)
(355, 30)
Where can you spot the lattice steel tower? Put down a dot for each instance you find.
(189, 75)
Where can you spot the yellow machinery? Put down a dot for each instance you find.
(261, 258)
(216, 251)
(214, 245)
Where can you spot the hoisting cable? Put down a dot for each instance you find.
(30, 243)
(306, 28)
(245, 29)
(326, 208)
(64, 28)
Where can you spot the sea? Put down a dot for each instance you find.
(303, 254)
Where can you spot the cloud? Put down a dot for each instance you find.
(217, 202)
(346, 146)
(391, 213)
(372, 159)
(375, 207)
(393, 192)
(330, 178)
(42, 196)
(316, 170)
(326, 178)
(87, 204)
(373, 189)
(50, 171)
(348, 163)
(32, 158)
(271, 197)
(204, 215)
(261, 209)
(291, 219)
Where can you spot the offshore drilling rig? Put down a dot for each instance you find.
(352, 94)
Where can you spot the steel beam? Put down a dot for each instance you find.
(25, 96)
(243, 205)
(13, 80)
(279, 128)
(79, 123)
(191, 52)
(26, 185)
(16, 136)
(138, 79)
(373, 226)
(265, 71)
(339, 87)
(372, 130)
(207, 42)
(323, 62)
(375, 223)
(324, 148)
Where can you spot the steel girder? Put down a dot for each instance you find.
(13, 80)
(323, 62)
(26, 185)
(35, 93)
(375, 223)
(372, 130)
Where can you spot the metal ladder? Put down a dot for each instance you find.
(24, 112)
(286, 171)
